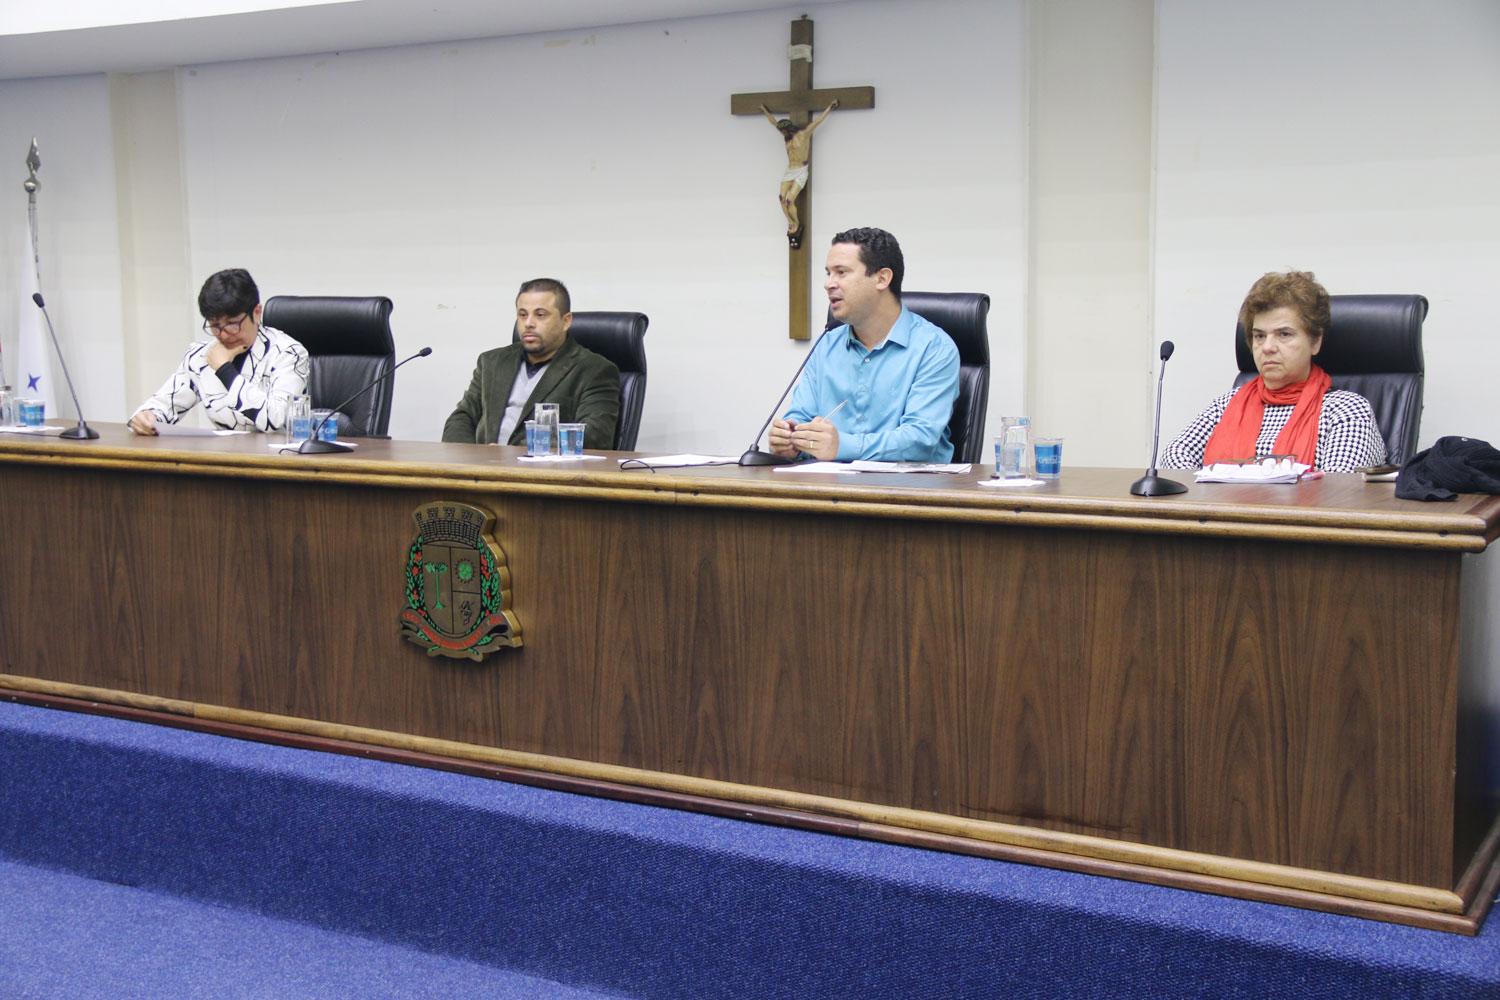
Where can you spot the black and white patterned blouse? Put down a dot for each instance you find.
(273, 371)
(1348, 437)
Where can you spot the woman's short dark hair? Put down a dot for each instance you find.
(877, 249)
(1297, 290)
(559, 292)
(228, 293)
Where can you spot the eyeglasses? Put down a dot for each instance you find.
(231, 328)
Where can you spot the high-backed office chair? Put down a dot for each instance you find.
(1373, 346)
(349, 343)
(962, 316)
(620, 337)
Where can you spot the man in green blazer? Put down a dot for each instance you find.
(545, 366)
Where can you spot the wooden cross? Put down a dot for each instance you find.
(797, 102)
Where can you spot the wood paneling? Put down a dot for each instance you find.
(1264, 689)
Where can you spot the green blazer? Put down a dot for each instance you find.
(585, 386)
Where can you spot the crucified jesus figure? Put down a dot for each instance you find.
(798, 139)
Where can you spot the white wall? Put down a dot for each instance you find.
(158, 292)
(77, 230)
(445, 175)
(76, 14)
(1360, 140)
(1357, 140)
(1088, 373)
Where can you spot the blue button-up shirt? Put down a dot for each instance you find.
(900, 394)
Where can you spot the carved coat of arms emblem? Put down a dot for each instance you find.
(457, 584)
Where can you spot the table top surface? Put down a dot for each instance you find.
(1336, 508)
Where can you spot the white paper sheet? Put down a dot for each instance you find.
(284, 447)
(1008, 483)
(949, 468)
(1268, 471)
(834, 468)
(185, 431)
(559, 458)
(681, 461)
(827, 468)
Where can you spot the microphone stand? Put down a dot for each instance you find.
(82, 431)
(1152, 485)
(314, 446)
(754, 456)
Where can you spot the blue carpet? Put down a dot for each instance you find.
(649, 902)
(63, 937)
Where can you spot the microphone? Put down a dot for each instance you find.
(1152, 485)
(82, 432)
(313, 446)
(754, 456)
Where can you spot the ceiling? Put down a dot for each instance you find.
(64, 39)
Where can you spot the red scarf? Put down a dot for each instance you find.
(1234, 438)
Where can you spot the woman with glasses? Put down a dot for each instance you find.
(245, 375)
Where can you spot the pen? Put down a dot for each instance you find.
(836, 409)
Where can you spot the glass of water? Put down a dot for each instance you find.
(571, 440)
(299, 419)
(547, 421)
(326, 423)
(1049, 457)
(1013, 448)
(31, 412)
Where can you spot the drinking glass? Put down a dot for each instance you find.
(1013, 448)
(1049, 457)
(547, 419)
(299, 419)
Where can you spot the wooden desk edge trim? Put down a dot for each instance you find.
(1482, 519)
(1327, 527)
(914, 823)
(1123, 506)
(390, 476)
(1313, 534)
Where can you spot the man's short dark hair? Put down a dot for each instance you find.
(228, 293)
(877, 249)
(557, 288)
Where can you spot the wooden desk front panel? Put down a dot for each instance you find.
(1228, 697)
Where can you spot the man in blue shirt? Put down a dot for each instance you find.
(881, 386)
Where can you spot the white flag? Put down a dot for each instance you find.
(33, 373)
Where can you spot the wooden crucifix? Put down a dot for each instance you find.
(798, 103)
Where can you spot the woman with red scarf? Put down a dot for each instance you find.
(1288, 409)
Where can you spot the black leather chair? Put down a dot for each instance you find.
(1373, 346)
(620, 337)
(349, 343)
(962, 316)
